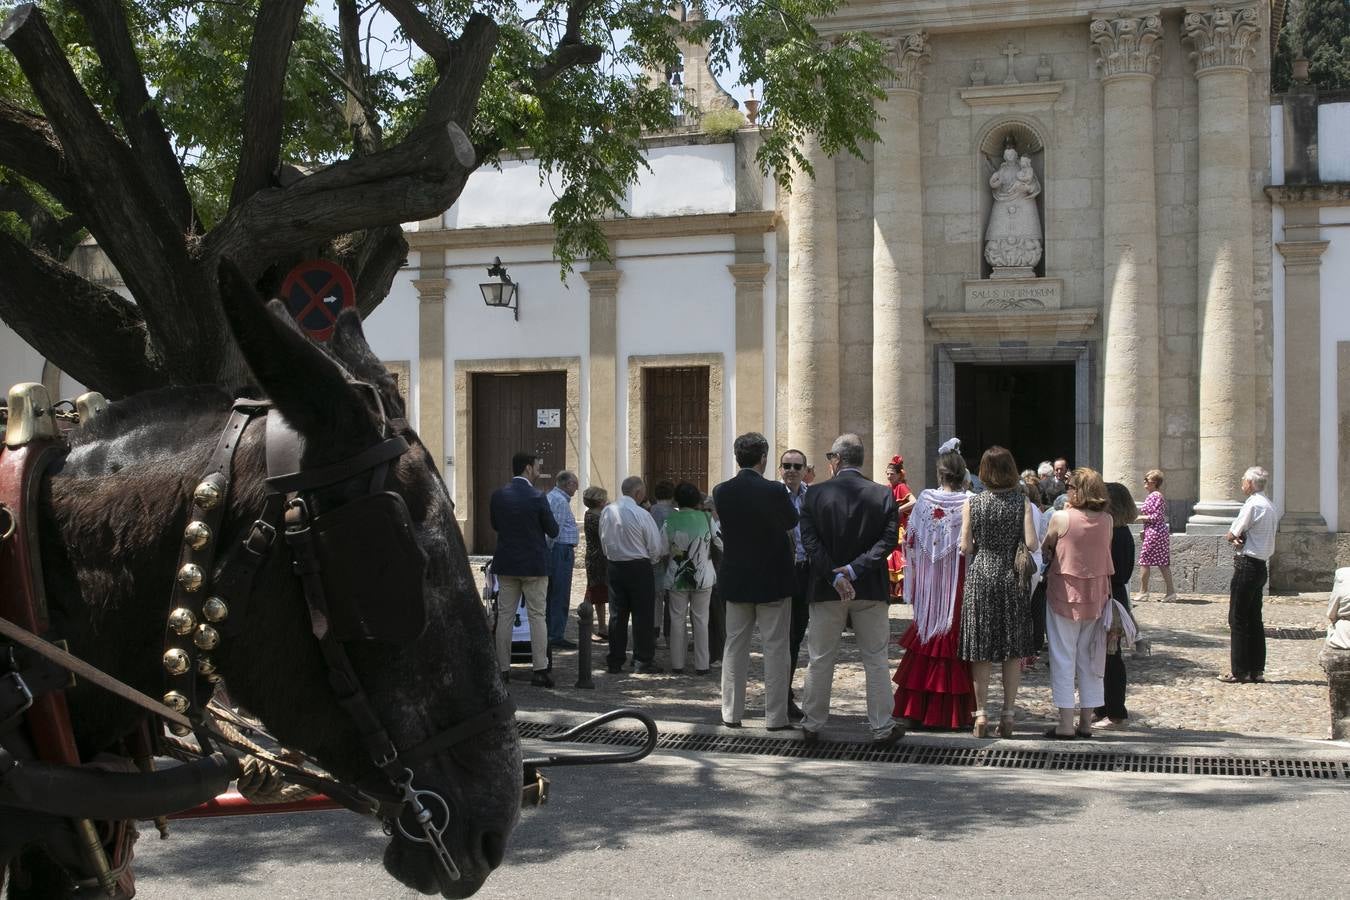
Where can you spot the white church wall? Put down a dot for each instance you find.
(1335, 328)
(391, 331)
(18, 361)
(511, 195)
(1333, 138)
(687, 179)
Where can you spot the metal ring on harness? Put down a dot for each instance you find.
(8, 524)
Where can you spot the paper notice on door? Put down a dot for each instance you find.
(548, 418)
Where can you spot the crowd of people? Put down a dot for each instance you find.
(999, 567)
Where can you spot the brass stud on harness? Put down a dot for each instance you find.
(190, 578)
(182, 621)
(207, 669)
(207, 495)
(180, 730)
(206, 638)
(176, 702)
(176, 662)
(197, 535)
(215, 610)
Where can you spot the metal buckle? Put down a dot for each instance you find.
(265, 532)
(15, 699)
(432, 834)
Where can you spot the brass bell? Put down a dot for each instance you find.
(190, 577)
(197, 535)
(182, 621)
(207, 669)
(176, 702)
(206, 637)
(180, 730)
(207, 494)
(215, 610)
(176, 662)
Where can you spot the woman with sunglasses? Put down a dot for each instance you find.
(1078, 584)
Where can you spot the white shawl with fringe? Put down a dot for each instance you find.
(933, 555)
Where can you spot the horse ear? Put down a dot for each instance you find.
(308, 388)
(349, 345)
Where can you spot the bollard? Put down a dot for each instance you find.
(1336, 663)
(585, 615)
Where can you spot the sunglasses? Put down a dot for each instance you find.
(793, 465)
(831, 456)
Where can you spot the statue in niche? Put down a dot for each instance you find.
(1012, 240)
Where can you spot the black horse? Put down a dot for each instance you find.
(113, 514)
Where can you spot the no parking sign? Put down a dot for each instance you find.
(315, 292)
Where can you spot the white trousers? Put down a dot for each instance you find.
(773, 619)
(696, 603)
(1077, 648)
(872, 628)
(509, 590)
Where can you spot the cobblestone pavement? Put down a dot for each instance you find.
(1174, 689)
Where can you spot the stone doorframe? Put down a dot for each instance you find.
(463, 458)
(717, 465)
(1080, 353)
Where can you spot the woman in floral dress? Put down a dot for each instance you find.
(1156, 548)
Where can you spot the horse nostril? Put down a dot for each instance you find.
(494, 848)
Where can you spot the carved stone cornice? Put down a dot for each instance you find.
(1223, 37)
(906, 55)
(1302, 255)
(1126, 45)
(602, 281)
(431, 290)
(750, 274)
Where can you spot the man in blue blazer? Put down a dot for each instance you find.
(755, 579)
(849, 528)
(522, 519)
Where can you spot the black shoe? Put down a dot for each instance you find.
(702, 671)
(614, 670)
(795, 713)
(810, 738)
(679, 671)
(780, 727)
(647, 669)
(541, 679)
(563, 644)
(891, 739)
(726, 724)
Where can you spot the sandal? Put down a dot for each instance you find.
(981, 728)
(1230, 678)
(1055, 735)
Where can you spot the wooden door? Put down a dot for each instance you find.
(675, 425)
(513, 413)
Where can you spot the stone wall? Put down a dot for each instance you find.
(1307, 561)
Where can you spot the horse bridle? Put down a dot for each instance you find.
(203, 593)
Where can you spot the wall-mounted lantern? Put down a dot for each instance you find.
(504, 292)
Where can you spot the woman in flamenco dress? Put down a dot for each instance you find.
(904, 499)
(933, 686)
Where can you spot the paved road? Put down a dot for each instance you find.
(711, 825)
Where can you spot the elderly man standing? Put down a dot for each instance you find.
(562, 554)
(849, 528)
(632, 544)
(523, 522)
(1252, 535)
(755, 580)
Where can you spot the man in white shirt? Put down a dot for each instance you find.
(1252, 535)
(632, 544)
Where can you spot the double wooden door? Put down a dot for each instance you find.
(675, 425)
(511, 413)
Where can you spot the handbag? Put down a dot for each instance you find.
(1024, 566)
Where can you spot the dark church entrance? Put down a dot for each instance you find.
(1027, 408)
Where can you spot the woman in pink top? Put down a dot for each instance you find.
(1078, 587)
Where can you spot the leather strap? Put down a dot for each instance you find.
(309, 479)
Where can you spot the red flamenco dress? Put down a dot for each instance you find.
(895, 564)
(933, 686)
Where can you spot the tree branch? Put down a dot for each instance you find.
(363, 119)
(90, 332)
(28, 146)
(53, 236)
(143, 243)
(570, 52)
(421, 30)
(376, 259)
(264, 83)
(149, 140)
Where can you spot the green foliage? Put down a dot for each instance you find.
(722, 122)
(1319, 31)
(584, 126)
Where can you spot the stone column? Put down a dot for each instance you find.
(1224, 41)
(602, 425)
(899, 352)
(1130, 427)
(749, 279)
(813, 309)
(431, 289)
(1302, 379)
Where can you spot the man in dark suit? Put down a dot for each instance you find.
(755, 579)
(522, 519)
(849, 527)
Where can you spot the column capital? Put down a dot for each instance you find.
(1302, 254)
(906, 54)
(601, 280)
(1126, 45)
(431, 290)
(1224, 37)
(748, 274)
